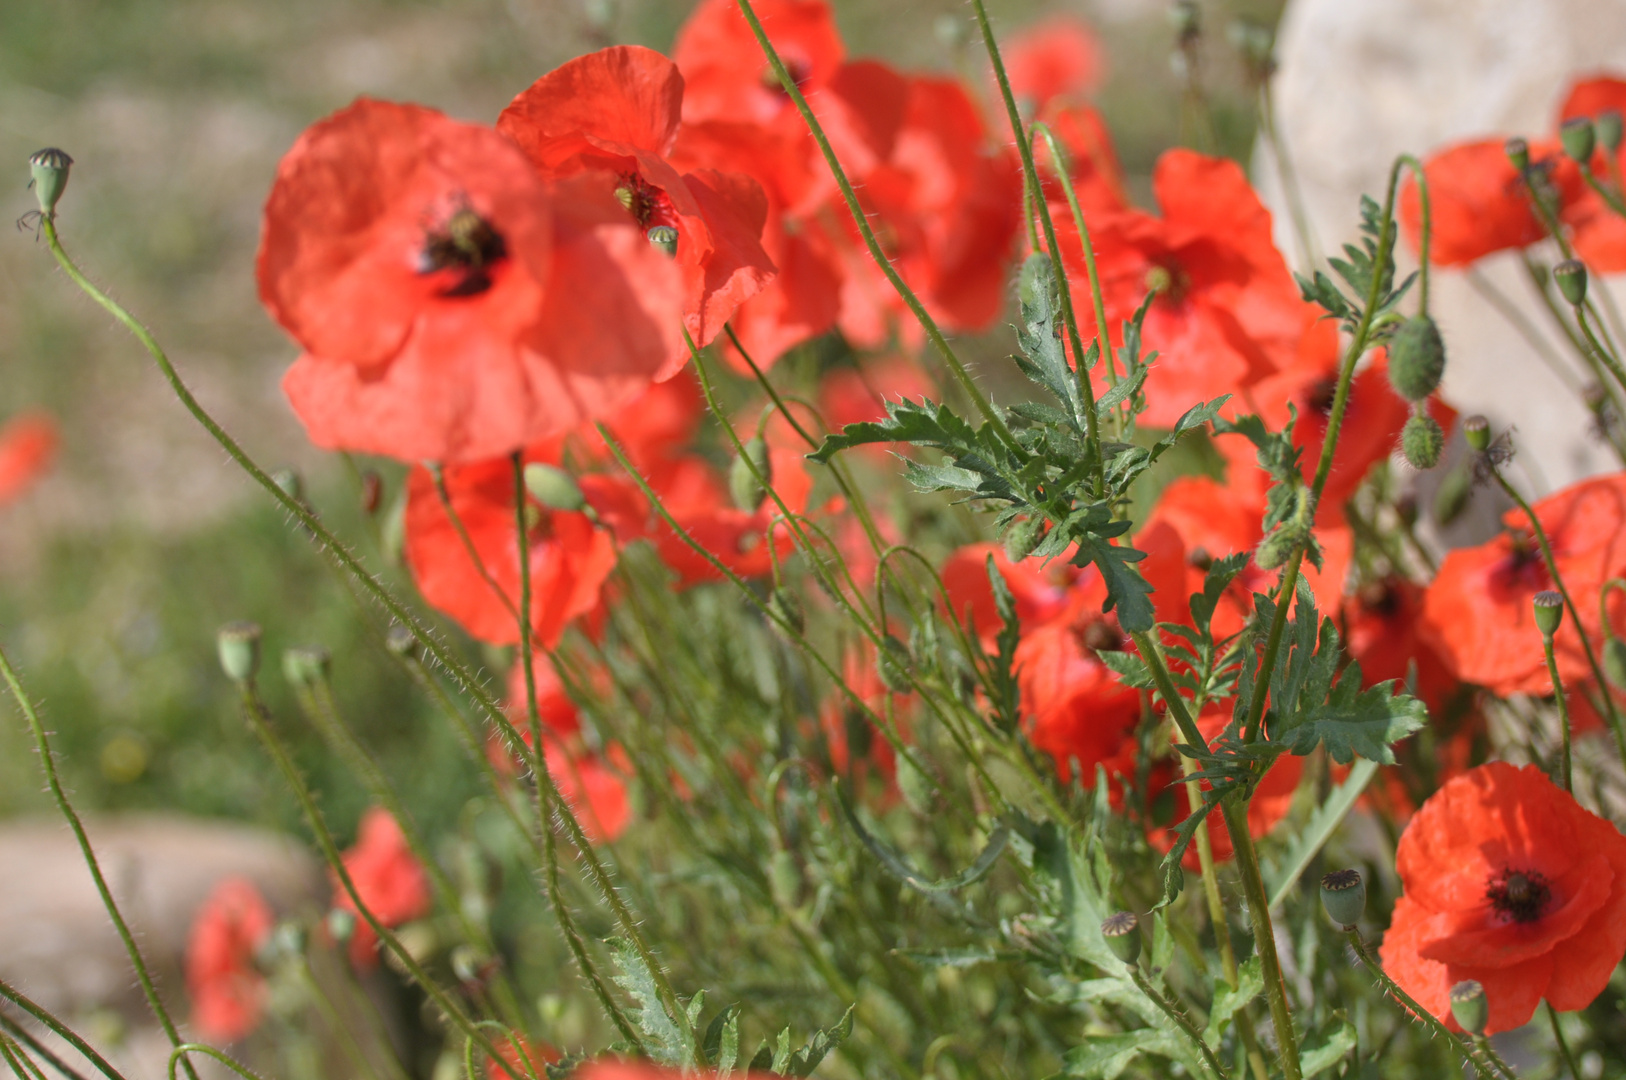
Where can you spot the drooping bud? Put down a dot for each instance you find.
(1416, 358)
(892, 662)
(1452, 497)
(1476, 429)
(1549, 609)
(1608, 126)
(1578, 138)
(1122, 931)
(401, 641)
(785, 604)
(664, 237)
(1023, 537)
(49, 168)
(1571, 278)
(306, 665)
(1518, 152)
(239, 647)
(743, 485)
(1614, 662)
(1469, 1006)
(1343, 894)
(1421, 440)
(553, 487)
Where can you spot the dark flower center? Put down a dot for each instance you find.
(1169, 281)
(466, 244)
(645, 202)
(1518, 895)
(1380, 598)
(1200, 558)
(1101, 636)
(799, 71)
(1321, 395)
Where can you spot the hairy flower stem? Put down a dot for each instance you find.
(1264, 934)
(1564, 768)
(1064, 176)
(1563, 1044)
(37, 1048)
(42, 744)
(22, 1066)
(1611, 712)
(61, 1030)
(1484, 1065)
(861, 220)
(1181, 1020)
(181, 1052)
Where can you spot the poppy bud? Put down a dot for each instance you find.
(1614, 662)
(49, 168)
(1452, 497)
(1608, 128)
(1421, 440)
(401, 641)
(1122, 931)
(891, 664)
(1277, 548)
(1549, 609)
(747, 491)
(1578, 138)
(1343, 894)
(290, 483)
(553, 487)
(953, 31)
(784, 603)
(239, 645)
(1416, 358)
(1571, 277)
(1037, 284)
(664, 237)
(1476, 429)
(1518, 152)
(306, 664)
(1469, 1006)
(1023, 537)
(288, 939)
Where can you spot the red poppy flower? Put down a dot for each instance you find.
(1228, 312)
(570, 557)
(452, 305)
(1098, 179)
(388, 877)
(1055, 57)
(1478, 608)
(1478, 202)
(228, 992)
(728, 76)
(1382, 628)
(695, 495)
(1599, 234)
(617, 111)
(1040, 591)
(1508, 881)
(28, 444)
(519, 1051)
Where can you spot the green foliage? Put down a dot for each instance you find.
(1358, 270)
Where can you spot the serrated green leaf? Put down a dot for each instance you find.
(661, 1033)
(1127, 590)
(1359, 723)
(1130, 669)
(804, 1061)
(1327, 1048)
(899, 866)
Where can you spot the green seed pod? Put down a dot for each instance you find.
(1122, 931)
(1343, 894)
(553, 487)
(1578, 138)
(1476, 429)
(892, 662)
(1614, 662)
(785, 879)
(1571, 277)
(1549, 610)
(1609, 129)
(49, 168)
(1470, 1007)
(239, 646)
(1421, 440)
(1416, 358)
(664, 237)
(306, 665)
(787, 606)
(1036, 287)
(1023, 537)
(1518, 153)
(1452, 497)
(747, 492)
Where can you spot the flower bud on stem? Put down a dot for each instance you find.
(1549, 611)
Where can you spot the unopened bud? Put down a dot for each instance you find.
(1614, 662)
(306, 665)
(239, 645)
(1343, 894)
(1518, 153)
(553, 487)
(1571, 278)
(1452, 497)
(1122, 931)
(952, 31)
(664, 237)
(469, 965)
(1476, 429)
(917, 789)
(1470, 1007)
(290, 483)
(1023, 537)
(1416, 358)
(1549, 608)
(1608, 127)
(49, 168)
(401, 641)
(743, 485)
(1421, 441)
(1578, 138)
(892, 662)
(1275, 549)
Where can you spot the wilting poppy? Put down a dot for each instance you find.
(1510, 882)
(388, 877)
(228, 992)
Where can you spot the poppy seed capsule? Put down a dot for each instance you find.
(1571, 277)
(1416, 358)
(1023, 537)
(239, 646)
(306, 665)
(1469, 1006)
(1609, 129)
(49, 169)
(665, 238)
(1421, 440)
(1476, 429)
(553, 487)
(1518, 153)
(1578, 138)
(1549, 608)
(747, 491)
(1122, 931)
(1343, 894)
(1614, 662)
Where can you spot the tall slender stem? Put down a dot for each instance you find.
(1181, 1020)
(1103, 337)
(57, 1027)
(1564, 769)
(37, 1048)
(1563, 1044)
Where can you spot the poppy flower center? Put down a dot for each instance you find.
(799, 71)
(466, 245)
(1518, 895)
(1169, 281)
(1380, 598)
(646, 203)
(1101, 636)
(1321, 395)
(1200, 558)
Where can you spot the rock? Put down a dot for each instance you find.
(1359, 83)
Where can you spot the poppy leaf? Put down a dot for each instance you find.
(1127, 590)
(1130, 669)
(1229, 999)
(1005, 693)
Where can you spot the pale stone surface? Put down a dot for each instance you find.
(1362, 82)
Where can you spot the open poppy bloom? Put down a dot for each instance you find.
(1056, 57)
(452, 304)
(1510, 882)
(390, 880)
(616, 112)
(1478, 202)
(28, 444)
(1092, 160)
(1599, 233)
(1227, 311)
(228, 992)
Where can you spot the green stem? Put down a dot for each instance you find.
(1563, 1045)
(438, 475)
(1264, 934)
(1604, 354)
(343, 1031)
(42, 744)
(1153, 656)
(37, 1048)
(1181, 1020)
(22, 1066)
(61, 1030)
(1097, 301)
(1563, 711)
